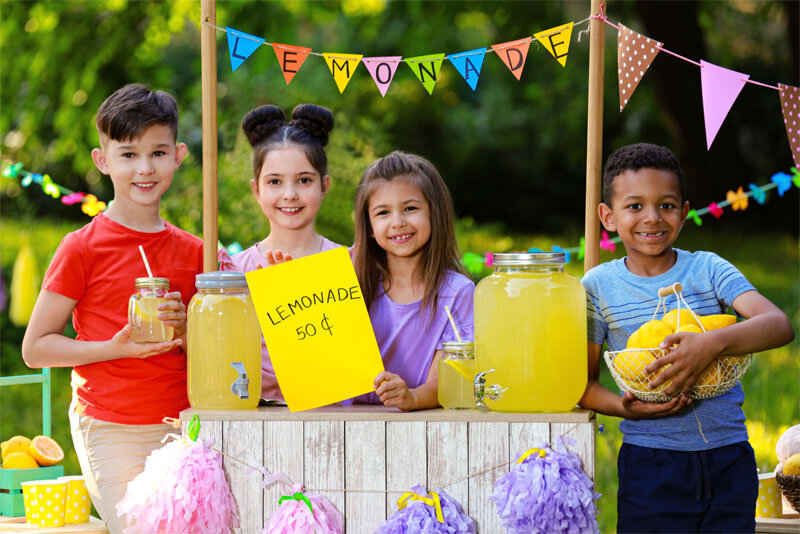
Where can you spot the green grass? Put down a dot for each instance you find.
(769, 261)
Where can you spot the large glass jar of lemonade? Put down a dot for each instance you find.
(530, 334)
(143, 311)
(457, 375)
(224, 344)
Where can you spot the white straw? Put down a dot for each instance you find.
(146, 264)
(452, 323)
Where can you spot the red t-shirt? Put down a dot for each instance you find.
(97, 266)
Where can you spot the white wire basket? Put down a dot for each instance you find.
(627, 366)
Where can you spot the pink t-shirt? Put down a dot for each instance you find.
(249, 260)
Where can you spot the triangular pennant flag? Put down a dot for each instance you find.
(720, 87)
(290, 58)
(790, 100)
(382, 70)
(469, 64)
(513, 54)
(342, 66)
(241, 45)
(556, 41)
(635, 52)
(426, 68)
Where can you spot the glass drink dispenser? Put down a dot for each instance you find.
(224, 344)
(530, 335)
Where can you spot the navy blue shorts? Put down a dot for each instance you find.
(676, 491)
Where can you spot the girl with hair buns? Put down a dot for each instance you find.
(290, 179)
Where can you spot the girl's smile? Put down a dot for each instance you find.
(399, 215)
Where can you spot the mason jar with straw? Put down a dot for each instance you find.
(456, 371)
(143, 310)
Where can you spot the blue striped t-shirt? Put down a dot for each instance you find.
(619, 302)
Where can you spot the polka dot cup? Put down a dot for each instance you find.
(769, 496)
(44, 502)
(78, 505)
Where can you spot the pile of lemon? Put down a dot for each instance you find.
(20, 452)
(630, 364)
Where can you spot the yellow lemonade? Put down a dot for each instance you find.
(143, 311)
(223, 334)
(456, 383)
(530, 327)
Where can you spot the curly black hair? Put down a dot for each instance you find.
(639, 156)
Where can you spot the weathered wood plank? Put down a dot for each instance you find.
(448, 459)
(283, 453)
(244, 440)
(488, 447)
(524, 436)
(406, 459)
(583, 433)
(365, 469)
(324, 460)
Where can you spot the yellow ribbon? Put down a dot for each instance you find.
(432, 501)
(542, 454)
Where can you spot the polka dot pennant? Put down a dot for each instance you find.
(790, 106)
(635, 52)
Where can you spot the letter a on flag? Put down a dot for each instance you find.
(241, 45)
(556, 41)
(514, 54)
(290, 58)
(342, 67)
(382, 70)
(720, 87)
(426, 68)
(469, 64)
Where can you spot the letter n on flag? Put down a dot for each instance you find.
(513, 54)
(290, 58)
(426, 69)
(382, 70)
(241, 46)
(342, 66)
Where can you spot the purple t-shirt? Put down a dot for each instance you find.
(408, 339)
(244, 262)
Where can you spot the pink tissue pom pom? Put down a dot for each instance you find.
(182, 489)
(294, 517)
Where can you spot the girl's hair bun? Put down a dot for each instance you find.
(316, 121)
(261, 123)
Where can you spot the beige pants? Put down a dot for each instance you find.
(111, 455)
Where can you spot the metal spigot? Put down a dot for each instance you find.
(240, 385)
(493, 392)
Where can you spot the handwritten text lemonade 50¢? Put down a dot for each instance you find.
(284, 312)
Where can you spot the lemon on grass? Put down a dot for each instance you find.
(19, 460)
(46, 450)
(15, 444)
(671, 318)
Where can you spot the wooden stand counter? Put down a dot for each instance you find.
(377, 448)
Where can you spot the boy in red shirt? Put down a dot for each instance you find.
(121, 390)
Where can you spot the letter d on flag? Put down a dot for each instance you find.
(241, 45)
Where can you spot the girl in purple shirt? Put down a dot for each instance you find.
(407, 261)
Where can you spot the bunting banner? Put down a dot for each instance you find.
(290, 58)
(382, 70)
(635, 52)
(469, 65)
(342, 66)
(241, 46)
(556, 41)
(720, 87)
(790, 98)
(426, 69)
(513, 54)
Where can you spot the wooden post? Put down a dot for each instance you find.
(594, 137)
(208, 46)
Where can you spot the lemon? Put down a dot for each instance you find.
(19, 460)
(713, 322)
(15, 444)
(46, 450)
(690, 328)
(686, 318)
(652, 333)
(792, 465)
(711, 376)
(630, 366)
(633, 341)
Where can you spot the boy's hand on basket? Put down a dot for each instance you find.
(122, 347)
(636, 409)
(693, 354)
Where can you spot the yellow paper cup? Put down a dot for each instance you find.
(46, 500)
(769, 497)
(78, 505)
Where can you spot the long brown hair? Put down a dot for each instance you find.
(439, 254)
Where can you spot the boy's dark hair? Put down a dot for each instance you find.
(132, 109)
(640, 156)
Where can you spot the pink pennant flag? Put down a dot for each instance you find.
(720, 87)
(382, 70)
(635, 52)
(790, 105)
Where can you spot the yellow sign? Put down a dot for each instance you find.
(317, 329)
